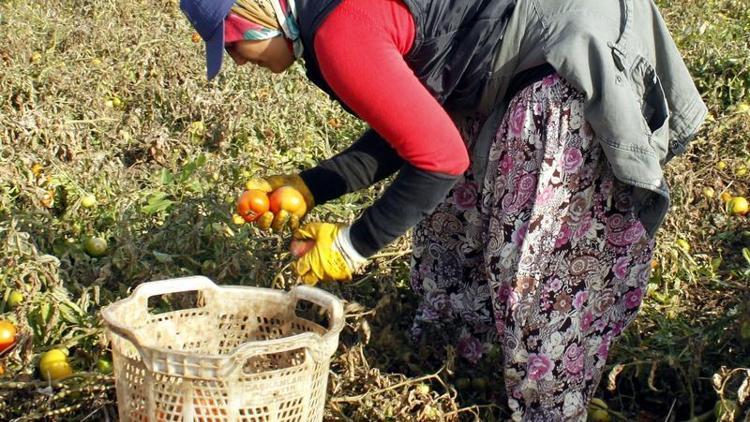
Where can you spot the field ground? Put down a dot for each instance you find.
(107, 100)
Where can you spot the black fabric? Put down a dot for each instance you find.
(367, 161)
(526, 78)
(453, 48)
(412, 196)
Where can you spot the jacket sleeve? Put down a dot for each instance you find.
(367, 161)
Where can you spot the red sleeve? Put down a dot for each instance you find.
(360, 49)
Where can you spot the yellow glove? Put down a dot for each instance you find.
(289, 212)
(332, 258)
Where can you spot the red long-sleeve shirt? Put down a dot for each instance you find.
(360, 49)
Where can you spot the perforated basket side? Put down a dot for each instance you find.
(129, 373)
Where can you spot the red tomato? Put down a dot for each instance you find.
(252, 204)
(288, 199)
(7, 335)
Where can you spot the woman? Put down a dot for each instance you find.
(529, 138)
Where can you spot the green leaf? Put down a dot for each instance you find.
(187, 171)
(716, 263)
(163, 258)
(69, 313)
(166, 176)
(746, 254)
(157, 202)
(190, 168)
(194, 186)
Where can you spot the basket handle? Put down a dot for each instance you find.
(173, 285)
(325, 300)
(309, 341)
(140, 296)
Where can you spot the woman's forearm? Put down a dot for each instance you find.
(366, 162)
(413, 195)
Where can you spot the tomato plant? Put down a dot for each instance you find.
(7, 335)
(288, 199)
(252, 204)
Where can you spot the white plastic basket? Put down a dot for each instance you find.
(243, 355)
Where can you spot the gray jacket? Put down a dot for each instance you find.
(639, 97)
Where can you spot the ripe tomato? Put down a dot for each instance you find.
(252, 204)
(54, 365)
(7, 335)
(288, 199)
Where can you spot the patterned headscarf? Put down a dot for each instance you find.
(264, 19)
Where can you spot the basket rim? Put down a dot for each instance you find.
(308, 339)
(296, 338)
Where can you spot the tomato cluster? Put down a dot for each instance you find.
(253, 203)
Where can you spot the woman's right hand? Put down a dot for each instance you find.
(289, 199)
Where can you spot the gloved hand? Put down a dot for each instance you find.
(284, 211)
(332, 258)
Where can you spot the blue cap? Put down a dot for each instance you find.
(207, 17)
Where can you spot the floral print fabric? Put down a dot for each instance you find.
(545, 257)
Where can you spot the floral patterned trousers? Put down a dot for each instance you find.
(544, 257)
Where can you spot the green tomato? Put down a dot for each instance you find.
(15, 298)
(480, 383)
(104, 365)
(95, 246)
(599, 415)
(745, 330)
(463, 383)
(598, 410)
(683, 244)
(88, 201)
